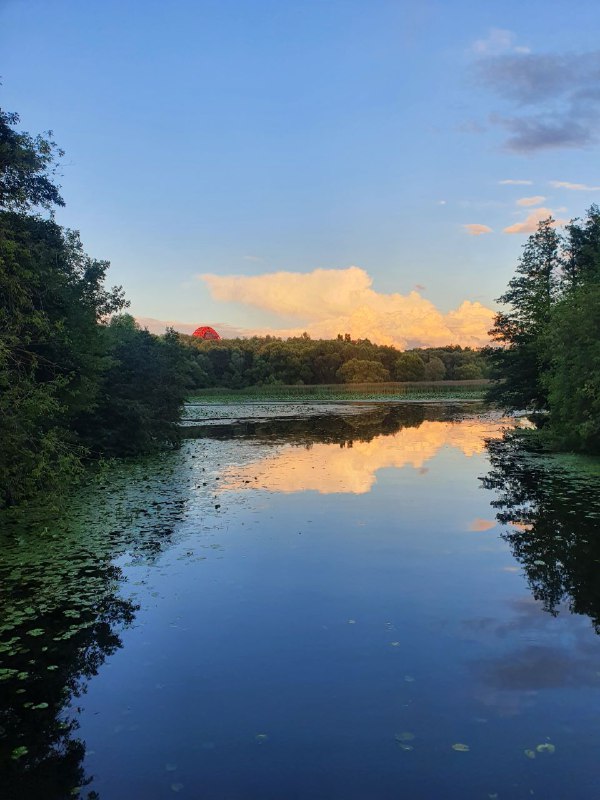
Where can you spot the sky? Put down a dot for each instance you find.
(362, 166)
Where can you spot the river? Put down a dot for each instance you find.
(355, 602)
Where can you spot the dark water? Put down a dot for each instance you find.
(372, 605)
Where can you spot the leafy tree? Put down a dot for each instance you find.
(573, 380)
(409, 367)
(27, 168)
(141, 394)
(434, 369)
(519, 361)
(361, 371)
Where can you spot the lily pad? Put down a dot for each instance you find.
(545, 748)
(19, 752)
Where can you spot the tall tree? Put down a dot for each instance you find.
(520, 359)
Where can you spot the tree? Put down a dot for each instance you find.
(434, 369)
(27, 168)
(361, 371)
(573, 381)
(520, 359)
(409, 367)
(141, 394)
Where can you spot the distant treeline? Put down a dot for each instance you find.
(258, 361)
(549, 332)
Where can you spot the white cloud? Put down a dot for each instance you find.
(499, 40)
(330, 301)
(530, 224)
(511, 182)
(574, 187)
(531, 201)
(475, 229)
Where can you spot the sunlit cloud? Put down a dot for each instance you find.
(475, 229)
(530, 224)
(511, 182)
(479, 525)
(574, 187)
(329, 469)
(330, 301)
(536, 200)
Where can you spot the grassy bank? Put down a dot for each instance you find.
(349, 392)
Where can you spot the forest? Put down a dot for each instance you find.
(238, 363)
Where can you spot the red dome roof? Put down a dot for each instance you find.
(206, 332)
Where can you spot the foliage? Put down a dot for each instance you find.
(573, 381)
(27, 166)
(260, 361)
(60, 393)
(140, 395)
(549, 357)
(360, 370)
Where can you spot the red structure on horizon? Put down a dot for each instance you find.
(206, 332)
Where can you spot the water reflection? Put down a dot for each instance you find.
(552, 516)
(62, 611)
(367, 444)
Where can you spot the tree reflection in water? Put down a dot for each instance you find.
(552, 513)
(62, 608)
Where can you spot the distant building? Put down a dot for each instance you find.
(205, 332)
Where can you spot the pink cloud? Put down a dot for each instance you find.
(475, 229)
(530, 224)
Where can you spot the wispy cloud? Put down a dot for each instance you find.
(475, 229)
(536, 200)
(498, 40)
(530, 224)
(549, 100)
(574, 187)
(330, 301)
(511, 182)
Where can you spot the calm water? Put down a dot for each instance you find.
(361, 606)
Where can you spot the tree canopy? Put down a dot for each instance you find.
(548, 356)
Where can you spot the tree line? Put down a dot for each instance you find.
(267, 360)
(78, 378)
(548, 336)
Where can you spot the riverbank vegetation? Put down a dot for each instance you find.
(549, 335)
(268, 361)
(72, 384)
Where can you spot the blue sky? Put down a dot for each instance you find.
(250, 137)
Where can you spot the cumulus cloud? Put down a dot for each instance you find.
(549, 100)
(511, 182)
(574, 187)
(530, 224)
(531, 201)
(330, 301)
(475, 229)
